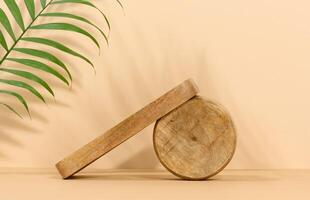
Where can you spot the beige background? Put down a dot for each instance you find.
(251, 56)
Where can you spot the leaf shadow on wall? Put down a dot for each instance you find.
(12, 127)
(250, 151)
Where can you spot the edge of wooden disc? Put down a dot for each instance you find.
(217, 171)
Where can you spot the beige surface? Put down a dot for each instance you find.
(230, 184)
(250, 56)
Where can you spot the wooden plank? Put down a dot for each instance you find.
(126, 129)
(196, 140)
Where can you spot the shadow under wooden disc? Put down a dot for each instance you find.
(196, 140)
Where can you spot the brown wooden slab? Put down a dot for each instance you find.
(126, 129)
(196, 140)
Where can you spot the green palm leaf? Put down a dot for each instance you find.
(41, 66)
(11, 4)
(85, 3)
(56, 45)
(119, 2)
(3, 42)
(31, 8)
(71, 16)
(4, 20)
(23, 85)
(35, 51)
(43, 2)
(45, 55)
(66, 27)
(29, 76)
(19, 97)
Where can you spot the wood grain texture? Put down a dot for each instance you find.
(196, 140)
(126, 129)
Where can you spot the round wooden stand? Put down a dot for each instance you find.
(196, 140)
